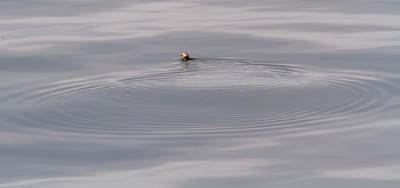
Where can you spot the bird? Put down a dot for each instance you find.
(186, 57)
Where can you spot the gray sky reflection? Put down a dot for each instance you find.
(92, 94)
(157, 18)
(323, 158)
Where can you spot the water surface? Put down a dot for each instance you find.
(287, 94)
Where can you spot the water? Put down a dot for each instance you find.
(287, 94)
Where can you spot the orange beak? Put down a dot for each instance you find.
(181, 54)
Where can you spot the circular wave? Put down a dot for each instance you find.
(213, 96)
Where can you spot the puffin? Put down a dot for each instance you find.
(186, 57)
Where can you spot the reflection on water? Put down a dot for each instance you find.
(156, 18)
(288, 93)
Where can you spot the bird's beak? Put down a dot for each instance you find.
(181, 55)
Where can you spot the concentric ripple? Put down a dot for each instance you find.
(212, 96)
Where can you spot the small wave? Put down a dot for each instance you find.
(213, 96)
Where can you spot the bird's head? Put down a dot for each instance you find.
(184, 54)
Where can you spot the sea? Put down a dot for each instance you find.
(281, 94)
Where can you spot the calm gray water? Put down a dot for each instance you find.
(287, 93)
